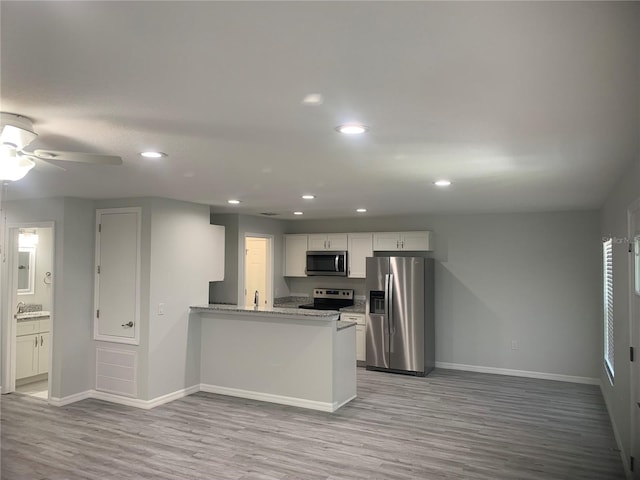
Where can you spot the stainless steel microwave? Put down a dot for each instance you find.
(320, 262)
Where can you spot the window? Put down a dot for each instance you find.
(607, 271)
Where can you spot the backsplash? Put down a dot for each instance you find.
(31, 307)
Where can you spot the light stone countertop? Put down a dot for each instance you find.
(357, 307)
(342, 324)
(328, 315)
(32, 315)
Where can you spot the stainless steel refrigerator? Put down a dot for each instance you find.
(400, 315)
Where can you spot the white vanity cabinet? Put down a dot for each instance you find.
(402, 241)
(32, 347)
(360, 247)
(327, 241)
(295, 255)
(359, 318)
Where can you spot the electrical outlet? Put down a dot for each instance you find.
(514, 345)
(161, 309)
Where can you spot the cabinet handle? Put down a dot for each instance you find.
(41, 340)
(130, 324)
(36, 340)
(397, 243)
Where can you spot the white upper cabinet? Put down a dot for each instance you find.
(295, 255)
(406, 241)
(327, 241)
(360, 247)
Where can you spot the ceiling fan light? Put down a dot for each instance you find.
(16, 130)
(12, 166)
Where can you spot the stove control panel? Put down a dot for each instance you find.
(336, 293)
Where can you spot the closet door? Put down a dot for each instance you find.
(117, 284)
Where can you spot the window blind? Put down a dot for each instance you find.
(607, 270)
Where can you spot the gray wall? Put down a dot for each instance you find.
(237, 226)
(534, 278)
(226, 291)
(181, 257)
(71, 371)
(614, 224)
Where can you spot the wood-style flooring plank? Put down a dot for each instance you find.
(448, 425)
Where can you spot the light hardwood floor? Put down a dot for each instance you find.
(448, 425)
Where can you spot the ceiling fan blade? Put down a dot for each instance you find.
(94, 158)
(42, 165)
(46, 167)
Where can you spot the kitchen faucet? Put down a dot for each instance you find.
(21, 306)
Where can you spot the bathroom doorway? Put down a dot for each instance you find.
(29, 319)
(258, 260)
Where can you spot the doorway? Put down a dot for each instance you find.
(258, 260)
(634, 327)
(29, 310)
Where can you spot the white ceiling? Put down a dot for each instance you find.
(525, 106)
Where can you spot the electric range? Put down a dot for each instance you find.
(330, 299)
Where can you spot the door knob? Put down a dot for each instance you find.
(130, 324)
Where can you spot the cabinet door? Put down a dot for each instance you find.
(43, 352)
(388, 241)
(317, 242)
(360, 247)
(415, 241)
(295, 255)
(337, 241)
(27, 356)
(360, 343)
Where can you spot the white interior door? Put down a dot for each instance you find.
(117, 275)
(634, 311)
(256, 271)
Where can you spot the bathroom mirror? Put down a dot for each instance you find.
(26, 270)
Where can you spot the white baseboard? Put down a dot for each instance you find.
(269, 397)
(337, 405)
(616, 435)
(519, 373)
(61, 402)
(121, 400)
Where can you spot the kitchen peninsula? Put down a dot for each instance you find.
(304, 358)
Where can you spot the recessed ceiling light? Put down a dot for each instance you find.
(308, 197)
(151, 154)
(352, 128)
(442, 183)
(361, 210)
(313, 99)
(233, 202)
(297, 213)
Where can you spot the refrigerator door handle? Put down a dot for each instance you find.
(386, 297)
(389, 304)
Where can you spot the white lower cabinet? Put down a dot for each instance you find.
(359, 318)
(32, 350)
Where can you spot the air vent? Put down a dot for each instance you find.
(269, 214)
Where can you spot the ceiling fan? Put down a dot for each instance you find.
(16, 133)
